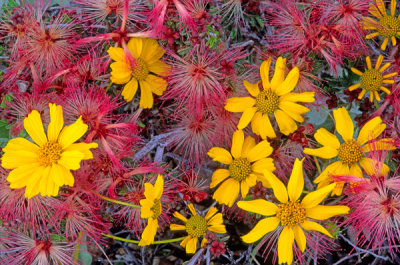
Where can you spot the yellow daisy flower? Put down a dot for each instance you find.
(139, 68)
(372, 80)
(197, 226)
(292, 215)
(351, 152)
(276, 98)
(386, 26)
(246, 161)
(44, 166)
(151, 209)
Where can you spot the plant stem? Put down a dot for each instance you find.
(137, 242)
(116, 201)
(317, 164)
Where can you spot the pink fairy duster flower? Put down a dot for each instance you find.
(233, 13)
(193, 190)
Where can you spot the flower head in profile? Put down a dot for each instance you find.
(247, 161)
(151, 209)
(44, 166)
(139, 66)
(197, 226)
(294, 216)
(351, 152)
(386, 26)
(372, 80)
(275, 99)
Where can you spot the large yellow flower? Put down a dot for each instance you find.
(151, 209)
(387, 26)
(197, 227)
(245, 168)
(276, 98)
(351, 152)
(44, 166)
(294, 216)
(372, 79)
(139, 68)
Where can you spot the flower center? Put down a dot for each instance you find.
(267, 101)
(372, 80)
(240, 169)
(156, 209)
(196, 226)
(350, 152)
(140, 69)
(291, 213)
(388, 26)
(49, 154)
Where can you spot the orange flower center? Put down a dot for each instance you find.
(156, 209)
(196, 226)
(267, 102)
(140, 69)
(291, 213)
(49, 154)
(240, 169)
(350, 152)
(372, 80)
(388, 26)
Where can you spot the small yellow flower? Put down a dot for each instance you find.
(387, 26)
(292, 215)
(372, 80)
(151, 209)
(351, 152)
(245, 168)
(276, 98)
(44, 166)
(197, 227)
(139, 67)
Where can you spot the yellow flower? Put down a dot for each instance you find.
(151, 209)
(276, 98)
(293, 215)
(245, 168)
(387, 26)
(44, 166)
(372, 79)
(138, 68)
(197, 226)
(351, 151)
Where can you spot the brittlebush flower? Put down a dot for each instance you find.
(292, 215)
(276, 98)
(372, 80)
(151, 209)
(139, 68)
(197, 227)
(246, 161)
(387, 26)
(351, 152)
(44, 166)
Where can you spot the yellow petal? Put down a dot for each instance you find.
(256, 123)
(175, 227)
(239, 104)
(72, 133)
(313, 226)
(156, 84)
(135, 46)
(237, 143)
(56, 122)
(314, 198)
(34, 127)
(16, 159)
(278, 187)
(356, 71)
(117, 54)
(259, 206)
(20, 144)
(252, 88)
(227, 192)
(325, 152)
(146, 96)
(289, 83)
(326, 138)
(160, 68)
(384, 44)
(344, 123)
(191, 246)
(220, 154)
(211, 212)
(381, 144)
(381, 7)
(279, 74)
(263, 164)
(355, 170)
(180, 216)
(203, 243)
(392, 8)
(354, 87)
(246, 117)
(261, 150)
(322, 212)
(384, 67)
(329, 170)
(248, 144)
(374, 167)
(151, 51)
(192, 209)
(368, 61)
(185, 241)
(71, 159)
(159, 187)
(285, 123)
(33, 185)
(216, 220)
(84, 148)
(218, 176)
(299, 97)
(130, 89)
(266, 129)
(285, 246)
(120, 79)
(22, 172)
(300, 237)
(217, 229)
(244, 189)
(149, 233)
(294, 110)
(264, 72)
(263, 227)
(121, 71)
(296, 181)
(371, 130)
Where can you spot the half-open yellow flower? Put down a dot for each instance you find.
(291, 214)
(372, 80)
(44, 166)
(151, 209)
(247, 161)
(276, 99)
(139, 67)
(197, 227)
(351, 152)
(386, 26)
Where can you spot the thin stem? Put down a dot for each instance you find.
(108, 87)
(317, 164)
(376, 104)
(116, 201)
(137, 242)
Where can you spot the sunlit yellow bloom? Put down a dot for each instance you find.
(351, 152)
(291, 214)
(197, 227)
(372, 80)
(151, 209)
(275, 99)
(44, 166)
(140, 67)
(247, 161)
(386, 26)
